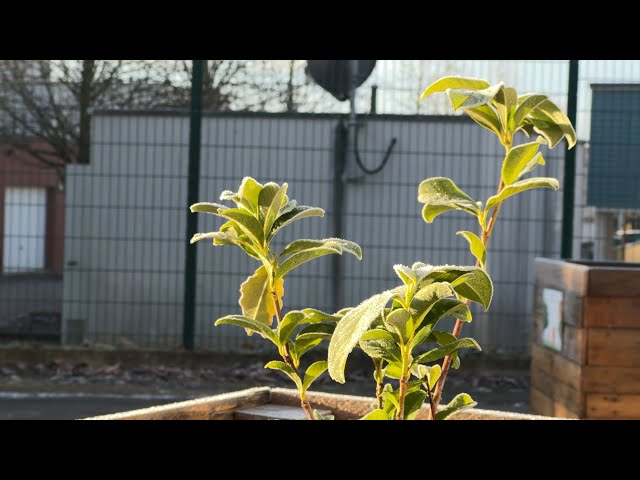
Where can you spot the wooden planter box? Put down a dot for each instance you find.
(263, 403)
(596, 372)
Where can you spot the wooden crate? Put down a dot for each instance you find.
(597, 372)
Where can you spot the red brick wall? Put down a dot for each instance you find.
(19, 169)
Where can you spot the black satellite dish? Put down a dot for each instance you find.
(337, 76)
(341, 78)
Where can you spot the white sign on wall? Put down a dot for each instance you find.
(552, 306)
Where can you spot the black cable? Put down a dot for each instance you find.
(359, 160)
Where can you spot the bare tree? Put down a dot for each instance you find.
(46, 104)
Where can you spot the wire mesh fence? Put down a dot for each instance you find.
(97, 255)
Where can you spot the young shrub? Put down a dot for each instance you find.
(260, 212)
(502, 111)
(391, 335)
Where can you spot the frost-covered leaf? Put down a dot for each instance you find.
(440, 194)
(249, 324)
(302, 251)
(314, 371)
(290, 372)
(462, 401)
(352, 327)
(476, 246)
(521, 186)
(256, 300)
(442, 84)
(448, 349)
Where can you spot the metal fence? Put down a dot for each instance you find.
(120, 278)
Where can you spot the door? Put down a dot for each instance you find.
(25, 216)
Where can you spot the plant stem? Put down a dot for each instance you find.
(378, 364)
(486, 235)
(403, 383)
(431, 404)
(287, 356)
(401, 395)
(307, 409)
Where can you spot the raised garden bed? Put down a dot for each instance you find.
(263, 403)
(588, 364)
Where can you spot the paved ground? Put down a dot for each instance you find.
(64, 390)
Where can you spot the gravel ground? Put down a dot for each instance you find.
(59, 389)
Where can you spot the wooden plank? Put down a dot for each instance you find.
(614, 347)
(555, 365)
(561, 410)
(613, 406)
(611, 379)
(564, 397)
(613, 282)
(572, 309)
(540, 403)
(270, 411)
(542, 381)
(542, 358)
(612, 312)
(207, 408)
(567, 398)
(574, 344)
(561, 275)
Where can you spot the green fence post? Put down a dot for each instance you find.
(569, 184)
(193, 185)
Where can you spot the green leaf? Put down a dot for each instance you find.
(476, 246)
(406, 274)
(440, 194)
(289, 323)
(444, 83)
(521, 186)
(249, 193)
(338, 243)
(298, 213)
(316, 330)
(256, 300)
(243, 219)
(517, 160)
(412, 403)
(207, 207)
(505, 102)
(448, 349)
(475, 283)
(224, 237)
(246, 222)
(460, 402)
(379, 343)
(302, 346)
(249, 324)
(431, 374)
(314, 371)
(449, 307)
(290, 372)
(548, 112)
(399, 321)
(393, 370)
(526, 103)
(463, 98)
(426, 297)
(277, 202)
(316, 316)
(455, 361)
(443, 338)
(422, 335)
(352, 327)
(486, 117)
(377, 414)
(538, 159)
(299, 256)
(391, 401)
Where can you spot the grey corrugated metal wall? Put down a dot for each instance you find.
(125, 220)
